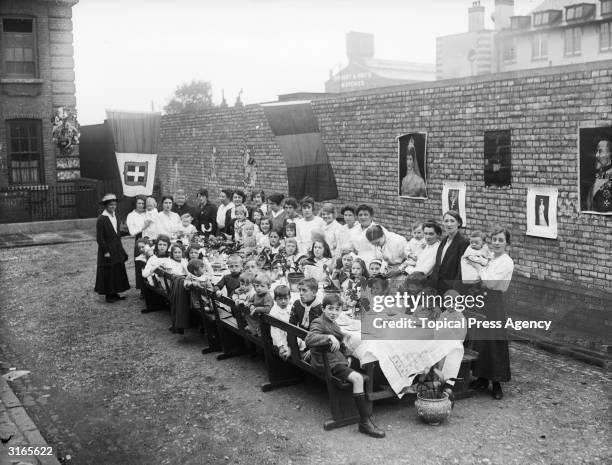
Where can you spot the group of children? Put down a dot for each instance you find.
(266, 264)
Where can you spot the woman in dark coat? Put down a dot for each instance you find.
(111, 277)
(446, 273)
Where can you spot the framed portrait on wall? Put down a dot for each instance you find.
(542, 212)
(453, 198)
(595, 170)
(412, 166)
(497, 159)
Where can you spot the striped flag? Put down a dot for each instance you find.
(297, 135)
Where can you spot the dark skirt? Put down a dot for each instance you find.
(180, 303)
(111, 279)
(138, 266)
(493, 361)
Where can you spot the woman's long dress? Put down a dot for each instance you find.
(111, 276)
(493, 361)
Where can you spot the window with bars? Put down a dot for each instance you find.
(573, 38)
(18, 47)
(605, 37)
(25, 152)
(539, 46)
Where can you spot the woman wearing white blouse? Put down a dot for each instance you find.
(493, 364)
(136, 221)
(167, 222)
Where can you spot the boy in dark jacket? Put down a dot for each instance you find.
(325, 336)
(308, 307)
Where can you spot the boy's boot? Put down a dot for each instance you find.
(366, 425)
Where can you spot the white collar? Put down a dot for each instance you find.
(107, 213)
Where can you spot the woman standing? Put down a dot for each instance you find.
(447, 270)
(304, 227)
(361, 244)
(493, 363)
(167, 222)
(111, 277)
(136, 223)
(393, 249)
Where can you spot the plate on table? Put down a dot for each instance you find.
(343, 320)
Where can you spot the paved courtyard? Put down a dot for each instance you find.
(109, 385)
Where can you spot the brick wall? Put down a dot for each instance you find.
(53, 87)
(544, 110)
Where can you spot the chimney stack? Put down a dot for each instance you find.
(504, 9)
(476, 17)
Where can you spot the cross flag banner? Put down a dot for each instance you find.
(136, 137)
(137, 171)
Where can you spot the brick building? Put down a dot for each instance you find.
(566, 280)
(36, 78)
(556, 32)
(468, 53)
(366, 72)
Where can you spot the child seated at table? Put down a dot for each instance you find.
(282, 311)
(377, 266)
(261, 302)
(176, 264)
(241, 213)
(193, 253)
(242, 297)
(308, 307)
(290, 230)
(231, 281)
(325, 336)
(186, 227)
(277, 274)
(249, 241)
(276, 245)
(342, 270)
(291, 253)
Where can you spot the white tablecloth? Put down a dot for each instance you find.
(400, 360)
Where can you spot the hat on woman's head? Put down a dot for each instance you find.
(108, 198)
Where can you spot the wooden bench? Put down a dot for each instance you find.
(234, 339)
(206, 315)
(284, 373)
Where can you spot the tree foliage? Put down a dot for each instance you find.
(189, 97)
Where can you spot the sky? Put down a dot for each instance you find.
(132, 54)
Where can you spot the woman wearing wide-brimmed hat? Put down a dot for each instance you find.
(111, 276)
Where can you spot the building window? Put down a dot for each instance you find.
(573, 37)
(25, 152)
(509, 50)
(606, 7)
(18, 47)
(605, 37)
(540, 19)
(539, 46)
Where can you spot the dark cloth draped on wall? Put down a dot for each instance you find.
(297, 135)
(134, 132)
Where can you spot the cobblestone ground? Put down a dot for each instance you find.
(111, 386)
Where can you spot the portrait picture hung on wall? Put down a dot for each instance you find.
(497, 159)
(453, 198)
(595, 170)
(542, 212)
(412, 153)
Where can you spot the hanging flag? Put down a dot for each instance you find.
(136, 137)
(137, 171)
(297, 134)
